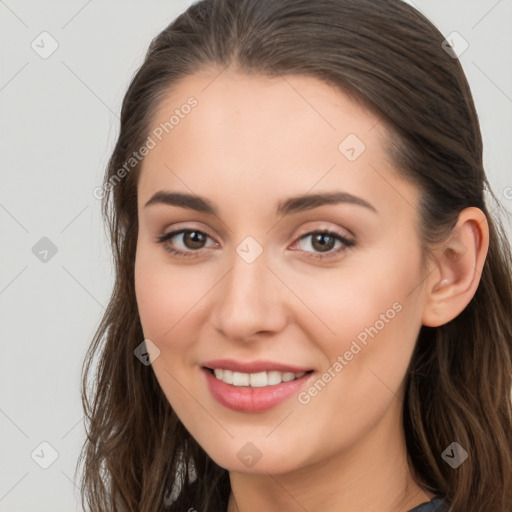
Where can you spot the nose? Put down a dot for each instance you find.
(249, 300)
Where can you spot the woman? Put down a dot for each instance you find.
(312, 306)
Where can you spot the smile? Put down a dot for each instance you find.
(254, 392)
(255, 380)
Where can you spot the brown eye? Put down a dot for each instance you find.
(194, 239)
(325, 242)
(322, 242)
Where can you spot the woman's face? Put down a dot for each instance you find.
(260, 283)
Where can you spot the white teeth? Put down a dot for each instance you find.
(273, 378)
(255, 380)
(240, 379)
(258, 380)
(227, 376)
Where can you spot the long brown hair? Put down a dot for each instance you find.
(390, 58)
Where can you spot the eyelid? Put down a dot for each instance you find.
(309, 229)
(347, 243)
(181, 227)
(165, 237)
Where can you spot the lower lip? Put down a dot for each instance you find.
(249, 399)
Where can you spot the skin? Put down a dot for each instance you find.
(251, 142)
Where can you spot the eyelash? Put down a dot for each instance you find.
(319, 256)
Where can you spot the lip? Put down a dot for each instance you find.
(253, 366)
(252, 400)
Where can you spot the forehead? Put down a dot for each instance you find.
(265, 110)
(274, 136)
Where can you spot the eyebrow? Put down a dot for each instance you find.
(286, 207)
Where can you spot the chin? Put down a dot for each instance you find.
(247, 458)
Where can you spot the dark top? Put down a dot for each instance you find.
(434, 505)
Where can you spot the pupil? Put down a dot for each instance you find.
(322, 245)
(195, 238)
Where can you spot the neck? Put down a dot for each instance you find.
(370, 475)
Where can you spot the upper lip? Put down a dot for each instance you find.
(253, 366)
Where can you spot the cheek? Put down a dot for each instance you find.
(366, 314)
(171, 303)
(163, 292)
(347, 300)
(165, 299)
(375, 324)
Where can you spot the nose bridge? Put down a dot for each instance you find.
(248, 300)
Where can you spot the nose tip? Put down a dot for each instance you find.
(247, 302)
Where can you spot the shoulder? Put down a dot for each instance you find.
(434, 505)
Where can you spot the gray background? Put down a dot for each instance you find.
(58, 125)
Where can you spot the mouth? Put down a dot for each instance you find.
(256, 379)
(254, 392)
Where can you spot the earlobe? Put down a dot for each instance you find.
(459, 263)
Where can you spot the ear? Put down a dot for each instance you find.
(459, 261)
